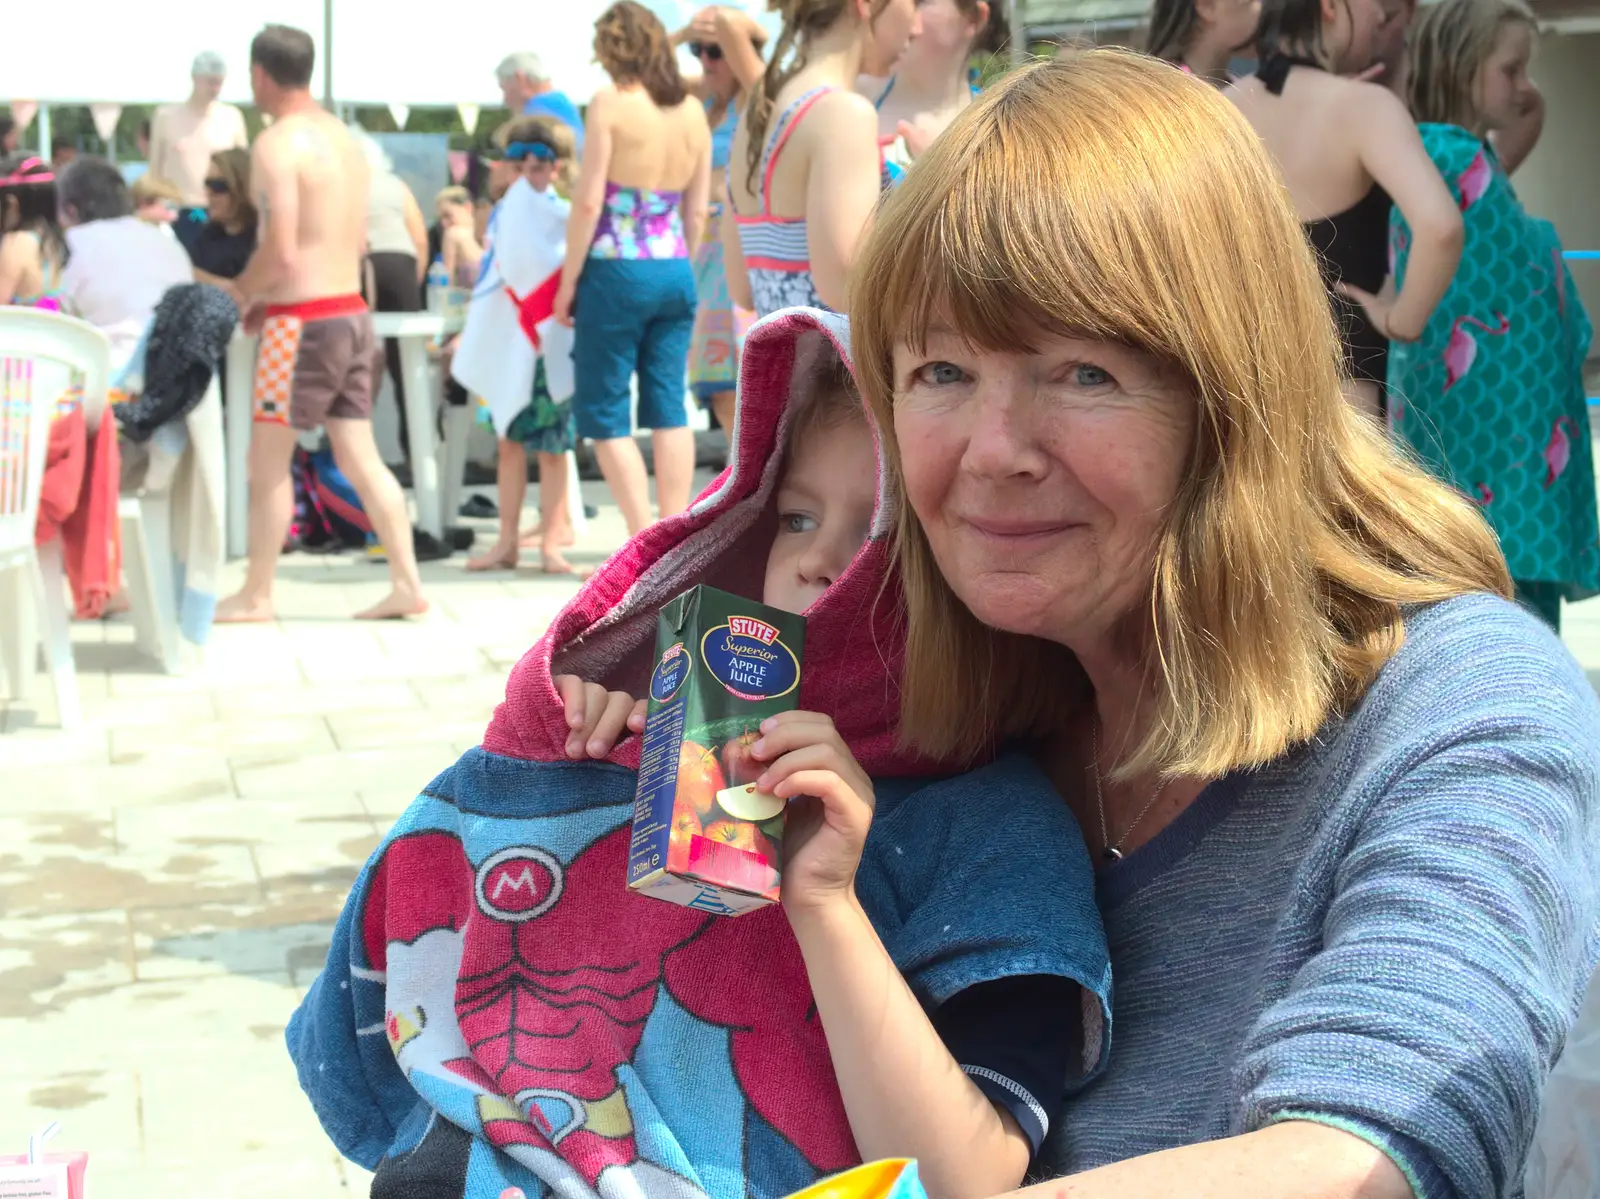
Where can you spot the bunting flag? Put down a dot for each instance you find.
(469, 116)
(105, 119)
(23, 112)
(400, 112)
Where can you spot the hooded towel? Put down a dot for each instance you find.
(498, 1009)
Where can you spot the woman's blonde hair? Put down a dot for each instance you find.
(1449, 45)
(454, 194)
(1109, 196)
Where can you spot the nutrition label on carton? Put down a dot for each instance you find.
(658, 774)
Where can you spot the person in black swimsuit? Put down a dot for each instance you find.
(1345, 147)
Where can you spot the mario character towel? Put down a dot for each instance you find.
(499, 1010)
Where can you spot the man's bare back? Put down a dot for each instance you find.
(308, 171)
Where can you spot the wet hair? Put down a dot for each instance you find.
(995, 33)
(1141, 209)
(93, 190)
(233, 166)
(28, 185)
(1287, 25)
(1449, 45)
(802, 20)
(286, 54)
(632, 46)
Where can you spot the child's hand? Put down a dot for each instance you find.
(828, 826)
(597, 717)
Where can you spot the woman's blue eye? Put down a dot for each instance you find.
(942, 374)
(1091, 376)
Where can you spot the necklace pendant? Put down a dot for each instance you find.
(1112, 853)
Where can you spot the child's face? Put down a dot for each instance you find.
(156, 212)
(825, 503)
(1502, 83)
(539, 174)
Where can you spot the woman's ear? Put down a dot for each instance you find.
(1330, 11)
(980, 18)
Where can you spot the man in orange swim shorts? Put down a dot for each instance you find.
(301, 289)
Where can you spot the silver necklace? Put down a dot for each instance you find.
(1113, 853)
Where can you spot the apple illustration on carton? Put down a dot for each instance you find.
(703, 835)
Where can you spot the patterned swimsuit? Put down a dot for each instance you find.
(776, 255)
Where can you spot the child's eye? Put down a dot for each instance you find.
(940, 374)
(796, 522)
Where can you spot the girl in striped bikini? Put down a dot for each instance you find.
(805, 170)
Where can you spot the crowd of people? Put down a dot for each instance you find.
(1181, 472)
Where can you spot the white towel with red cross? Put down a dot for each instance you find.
(509, 324)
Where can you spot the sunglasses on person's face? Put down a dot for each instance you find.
(218, 187)
(538, 151)
(709, 51)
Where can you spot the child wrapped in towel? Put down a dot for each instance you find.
(498, 1010)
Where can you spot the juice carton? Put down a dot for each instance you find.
(703, 836)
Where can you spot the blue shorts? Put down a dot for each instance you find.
(632, 314)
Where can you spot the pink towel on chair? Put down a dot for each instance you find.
(63, 474)
(91, 536)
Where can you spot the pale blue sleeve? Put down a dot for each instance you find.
(1463, 930)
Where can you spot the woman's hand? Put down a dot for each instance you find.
(916, 138)
(703, 28)
(1380, 309)
(597, 717)
(562, 308)
(827, 828)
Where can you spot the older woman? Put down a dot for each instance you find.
(1342, 792)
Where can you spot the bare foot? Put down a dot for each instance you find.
(535, 538)
(244, 609)
(395, 606)
(552, 563)
(116, 605)
(498, 557)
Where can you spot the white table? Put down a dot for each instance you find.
(415, 330)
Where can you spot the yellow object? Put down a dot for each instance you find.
(895, 1177)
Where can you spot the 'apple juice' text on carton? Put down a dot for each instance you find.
(703, 836)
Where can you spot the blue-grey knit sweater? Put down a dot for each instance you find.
(1388, 930)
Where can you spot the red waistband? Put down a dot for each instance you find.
(320, 310)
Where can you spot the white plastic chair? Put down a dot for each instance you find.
(39, 354)
(147, 567)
